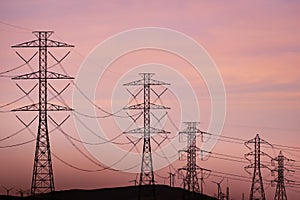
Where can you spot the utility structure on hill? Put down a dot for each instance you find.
(172, 179)
(280, 169)
(190, 180)
(257, 189)
(7, 190)
(221, 195)
(146, 174)
(42, 178)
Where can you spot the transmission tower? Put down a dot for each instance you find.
(191, 179)
(257, 189)
(146, 174)
(220, 195)
(7, 190)
(21, 192)
(203, 176)
(227, 193)
(280, 193)
(172, 179)
(42, 178)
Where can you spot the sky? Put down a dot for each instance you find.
(255, 47)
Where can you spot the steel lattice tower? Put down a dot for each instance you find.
(42, 178)
(257, 189)
(146, 174)
(280, 193)
(191, 179)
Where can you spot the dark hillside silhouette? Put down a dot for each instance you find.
(122, 193)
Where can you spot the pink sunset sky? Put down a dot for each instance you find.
(255, 46)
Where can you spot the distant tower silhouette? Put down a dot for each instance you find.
(21, 192)
(202, 177)
(172, 179)
(146, 174)
(280, 193)
(227, 193)
(221, 195)
(257, 189)
(191, 179)
(7, 190)
(42, 178)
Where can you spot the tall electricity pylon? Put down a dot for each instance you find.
(191, 178)
(257, 189)
(146, 174)
(42, 178)
(280, 169)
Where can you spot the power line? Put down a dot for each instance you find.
(108, 114)
(99, 143)
(275, 146)
(15, 26)
(88, 170)
(241, 140)
(232, 178)
(19, 131)
(94, 63)
(287, 147)
(61, 100)
(222, 174)
(18, 67)
(100, 165)
(87, 157)
(17, 100)
(222, 154)
(18, 144)
(229, 159)
(27, 61)
(70, 165)
(74, 167)
(98, 136)
(12, 69)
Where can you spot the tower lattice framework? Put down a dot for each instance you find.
(42, 177)
(257, 189)
(147, 174)
(280, 193)
(191, 182)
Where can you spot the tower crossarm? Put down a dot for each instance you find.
(35, 43)
(142, 106)
(152, 130)
(36, 75)
(186, 131)
(50, 107)
(141, 81)
(42, 35)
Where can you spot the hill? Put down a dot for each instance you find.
(163, 192)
